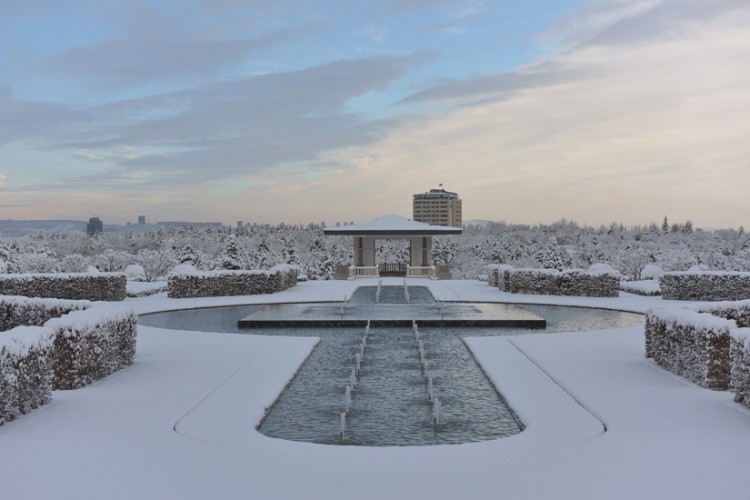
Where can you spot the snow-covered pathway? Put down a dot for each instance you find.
(180, 423)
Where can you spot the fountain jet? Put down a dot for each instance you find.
(436, 406)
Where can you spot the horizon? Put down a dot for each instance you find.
(588, 110)
(470, 222)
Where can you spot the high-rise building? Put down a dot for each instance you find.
(141, 220)
(95, 226)
(438, 207)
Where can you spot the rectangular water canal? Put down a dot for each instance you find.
(389, 402)
(391, 385)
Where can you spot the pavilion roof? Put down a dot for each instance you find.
(394, 225)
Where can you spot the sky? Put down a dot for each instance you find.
(312, 110)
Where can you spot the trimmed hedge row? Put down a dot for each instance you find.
(25, 311)
(553, 282)
(739, 350)
(73, 286)
(25, 371)
(691, 344)
(705, 286)
(495, 274)
(220, 283)
(64, 352)
(709, 345)
(89, 345)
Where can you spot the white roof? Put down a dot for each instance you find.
(392, 225)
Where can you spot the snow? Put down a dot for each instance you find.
(741, 335)
(138, 288)
(601, 268)
(701, 321)
(642, 287)
(651, 272)
(602, 421)
(88, 319)
(695, 270)
(396, 223)
(17, 341)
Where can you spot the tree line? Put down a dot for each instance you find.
(561, 245)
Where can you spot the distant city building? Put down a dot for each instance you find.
(95, 226)
(174, 224)
(141, 220)
(240, 225)
(438, 207)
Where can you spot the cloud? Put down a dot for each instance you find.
(149, 59)
(626, 131)
(238, 127)
(25, 119)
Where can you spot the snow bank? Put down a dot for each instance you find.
(75, 286)
(711, 286)
(573, 282)
(220, 283)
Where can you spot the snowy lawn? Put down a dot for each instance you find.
(603, 422)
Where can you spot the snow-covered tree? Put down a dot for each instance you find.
(231, 258)
(155, 263)
(74, 263)
(552, 256)
(113, 260)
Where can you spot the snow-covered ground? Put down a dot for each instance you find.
(602, 422)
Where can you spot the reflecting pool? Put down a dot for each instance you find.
(390, 385)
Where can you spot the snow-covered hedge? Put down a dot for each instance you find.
(91, 344)
(25, 371)
(739, 351)
(553, 282)
(738, 311)
(58, 344)
(75, 286)
(26, 311)
(218, 283)
(692, 344)
(495, 274)
(706, 285)
(708, 344)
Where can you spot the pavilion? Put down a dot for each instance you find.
(392, 227)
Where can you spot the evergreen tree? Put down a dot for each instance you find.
(552, 256)
(231, 258)
(665, 225)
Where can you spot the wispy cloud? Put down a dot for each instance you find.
(239, 127)
(620, 130)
